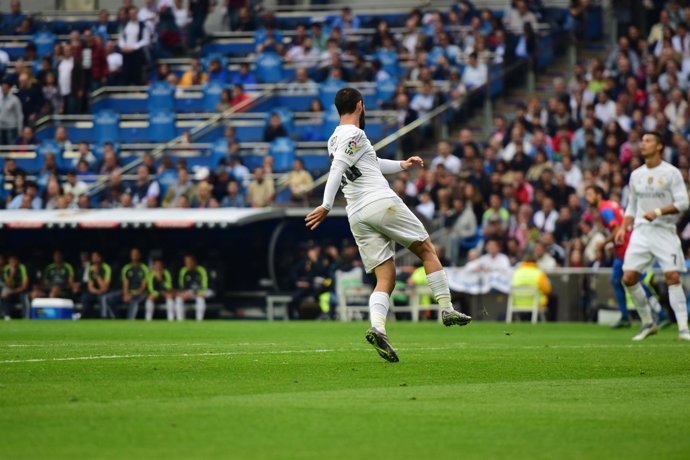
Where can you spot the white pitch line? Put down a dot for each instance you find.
(457, 347)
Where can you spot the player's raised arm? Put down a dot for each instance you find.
(394, 167)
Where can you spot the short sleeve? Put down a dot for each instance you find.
(347, 146)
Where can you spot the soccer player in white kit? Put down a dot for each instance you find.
(378, 218)
(657, 195)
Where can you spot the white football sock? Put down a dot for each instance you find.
(676, 297)
(438, 282)
(179, 308)
(639, 298)
(200, 308)
(150, 306)
(379, 302)
(654, 303)
(170, 306)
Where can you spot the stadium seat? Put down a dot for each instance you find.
(330, 121)
(161, 126)
(530, 297)
(327, 91)
(161, 97)
(211, 96)
(219, 150)
(389, 62)
(49, 146)
(282, 149)
(44, 41)
(385, 90)
(269, 68)
(205, 61)
(106, 126)
(353, 294)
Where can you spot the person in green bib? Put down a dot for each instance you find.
(160, 288)
(528, 274)
(15, 287)
(97, 287)
(134, 277)
(57, 279)
(193, 285)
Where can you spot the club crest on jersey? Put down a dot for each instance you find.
(351, 147)
(660, 181)
(334, 143)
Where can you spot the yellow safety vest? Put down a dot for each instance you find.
(527, 275)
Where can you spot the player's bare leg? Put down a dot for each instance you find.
(631, 281)
(438, 282)
(678, 301)
(379, 303)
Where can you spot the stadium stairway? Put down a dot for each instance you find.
(543, 86)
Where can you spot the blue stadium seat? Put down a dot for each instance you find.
(282, 149)
(106, 126)
(161, 97)
(385, 90)
(331, 120)
(327, 91)
(161, 126)
(44, 41)
(211, 97)
(206, 61)
(219, 150)
(49, 146)
(269, 68)
(389, 62)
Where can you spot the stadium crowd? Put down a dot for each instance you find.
(522, 186)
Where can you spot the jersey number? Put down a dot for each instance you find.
(675, 259)
(351, 174)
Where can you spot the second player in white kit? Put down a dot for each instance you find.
(657, 195)
(378, 218)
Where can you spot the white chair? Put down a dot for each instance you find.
(353, 294)
(416, 295)
(530, 300)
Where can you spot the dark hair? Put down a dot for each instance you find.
(597, 189)
(659, 138)
(346, 100)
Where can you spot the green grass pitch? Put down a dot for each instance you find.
(255, 390)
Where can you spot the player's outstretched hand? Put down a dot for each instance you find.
(315, 217)
(412, 162)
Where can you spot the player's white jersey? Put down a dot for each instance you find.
(363, 182)
(652, 188)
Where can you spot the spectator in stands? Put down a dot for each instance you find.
(12, 22)
(302, 84)
(15, 287)
(115, 61)
(31, 97)
(57, 280)
(73, 186)
(183, 186)
(144, 188)
(52, 194)
(493, 260)
(133, 43)
(240, 99)
(203, 198)
(193, 285)
(303, 55)
(84, 154)
(217, 73)
(27, 137)
(446, 158)
(234, 197)
(462, 229)
(99, 276)
(244, 76)
(198, 10)
(299, 181)
(194, 76)
(238, 171)
(475, 73)
(347, 22)
(70, 80)
(274, 128)
(11, 115)
(27, 200)
(261, 190)
(544, 260)
(110, 163)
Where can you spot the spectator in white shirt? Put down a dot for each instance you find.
(114, 59)
(446, 158)
(545, 261)
(605, 110)
(516, 18)
(305, 55)
(133, 42)
(475, 73)
(493, 260)
(545, 219)
(426, 207)
(571, 171)
(74, 187)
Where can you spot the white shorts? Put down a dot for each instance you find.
(649, 242)
(379, 225)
